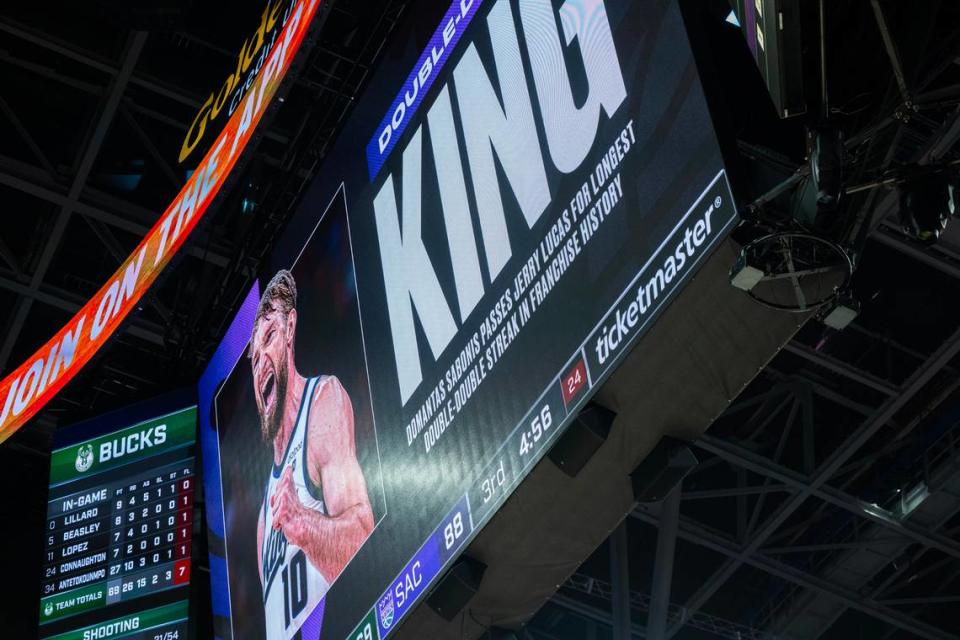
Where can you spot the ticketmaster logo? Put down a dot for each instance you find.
(660, 278)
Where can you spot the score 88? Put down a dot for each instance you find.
(453, 531)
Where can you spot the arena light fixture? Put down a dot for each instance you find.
(792, 271)
(843, 312)
(745, 276)
(928, 199)
(827, 157)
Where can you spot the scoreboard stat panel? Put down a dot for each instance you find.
(119, 521)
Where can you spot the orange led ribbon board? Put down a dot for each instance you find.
(28, 388)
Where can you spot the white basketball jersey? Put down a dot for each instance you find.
(292, 586)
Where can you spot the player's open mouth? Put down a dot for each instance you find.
(268, 390)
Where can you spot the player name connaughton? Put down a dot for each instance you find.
(73, 565)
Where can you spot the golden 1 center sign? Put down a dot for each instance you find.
(29, 387)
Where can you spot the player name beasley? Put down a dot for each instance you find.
(79, 532)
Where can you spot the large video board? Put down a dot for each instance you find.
(119, 527)
(507, 210)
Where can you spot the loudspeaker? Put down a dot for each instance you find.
(582, 438)
(662, 470)
(455, 589)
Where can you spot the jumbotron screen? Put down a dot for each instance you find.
(119, 525)
(508, 210)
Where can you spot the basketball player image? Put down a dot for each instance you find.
(315, 512)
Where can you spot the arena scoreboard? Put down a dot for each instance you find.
(117, 539)
(508, 210)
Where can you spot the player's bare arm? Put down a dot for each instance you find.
(329, 541)
(260, 543)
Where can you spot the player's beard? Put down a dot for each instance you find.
(270, 420)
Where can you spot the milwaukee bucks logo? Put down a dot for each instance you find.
(84, 458)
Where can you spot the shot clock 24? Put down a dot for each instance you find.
(119, 528)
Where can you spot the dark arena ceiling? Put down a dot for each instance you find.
(827, 499)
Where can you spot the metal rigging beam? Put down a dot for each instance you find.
(891, 49)
(837, 366)
(620, 582)
(98, 213)
(94, 61)
(641, 602)
(766, 467)
(844, 452)
(663, 565)
(735, 492)
(592, 613)
(27, 138)
(887, 238)
(695, 533)
(820, 389)
(100, 130)
(71, 304)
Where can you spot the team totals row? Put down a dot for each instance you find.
(499, 127)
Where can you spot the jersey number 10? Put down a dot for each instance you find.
(294, 587)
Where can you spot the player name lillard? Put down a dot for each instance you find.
(79, 516)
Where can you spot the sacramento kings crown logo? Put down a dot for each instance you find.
(386, 610)
(84, 458)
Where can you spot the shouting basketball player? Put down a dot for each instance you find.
(316, 512)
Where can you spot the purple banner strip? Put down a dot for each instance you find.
(428, 67)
